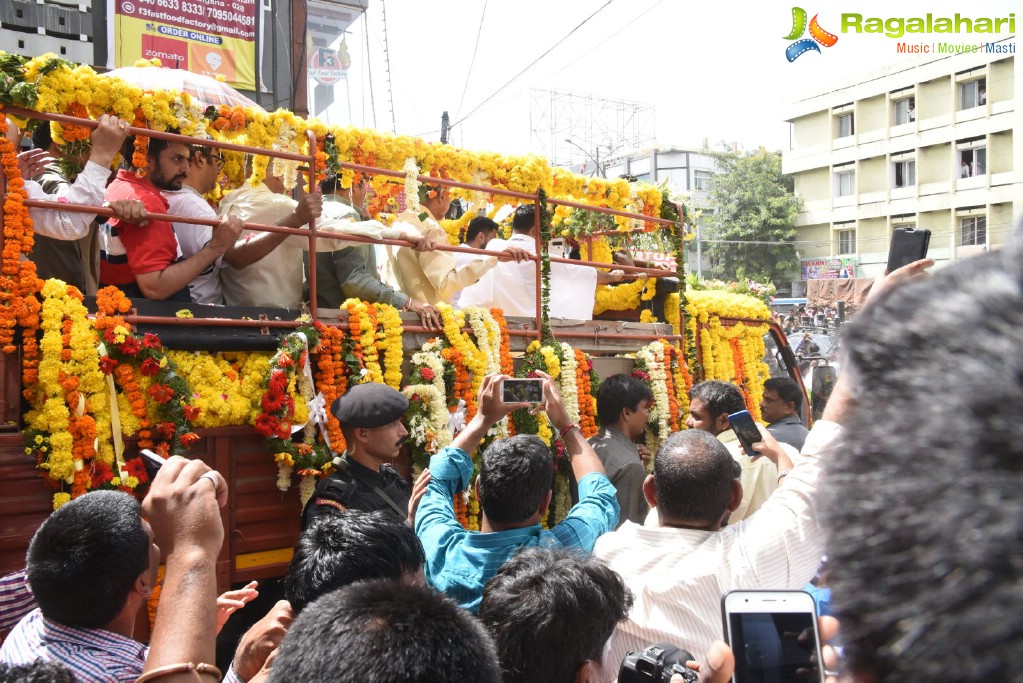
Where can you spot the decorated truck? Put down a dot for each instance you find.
(88, 381)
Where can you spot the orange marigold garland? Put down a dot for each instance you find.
(507, 367)
(331, 378)
(18, 281)
(585, 381)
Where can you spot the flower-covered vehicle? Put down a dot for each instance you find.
(88, 381)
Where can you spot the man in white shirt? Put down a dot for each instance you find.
(89, 187)
(480, 232)
(710, 404)
(512, 286)
(277, 279)
(435, 276)
(679, 570)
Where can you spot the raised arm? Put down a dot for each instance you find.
(182, 508)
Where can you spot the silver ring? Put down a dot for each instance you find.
(213, 477)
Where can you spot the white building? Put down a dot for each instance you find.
(927, 143)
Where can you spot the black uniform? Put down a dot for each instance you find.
(351, 487)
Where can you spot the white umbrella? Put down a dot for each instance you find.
(203, 89)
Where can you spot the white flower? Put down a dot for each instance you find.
(568, 383)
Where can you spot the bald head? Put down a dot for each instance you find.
(693, 476)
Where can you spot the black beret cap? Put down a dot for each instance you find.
(369, 405)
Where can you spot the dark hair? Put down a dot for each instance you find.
(618, 392)
(38, 671)
(693, 475)
(156, 145)
(787, 390)
(339, 549)
(720, 398)
(922, 501)
(85, 558)
(385, 632)
(204, 150)
(41, 137)
(515, 475)
(330, 184)
(524, 218)
(478, 225)
(550, 610)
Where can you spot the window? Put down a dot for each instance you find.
(972, 230)
(904, 111)
(905, 173)
(972, 161)
(845, 183)
(973, 94)
(847, 241)
(845, 125)
(702, 180)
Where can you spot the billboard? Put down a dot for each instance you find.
(211, 37)
(827, 268)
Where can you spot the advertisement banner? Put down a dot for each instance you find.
(215, 37)
(828, 268)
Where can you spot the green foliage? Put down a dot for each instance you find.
(755, 203)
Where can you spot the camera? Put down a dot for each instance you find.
(658, 663)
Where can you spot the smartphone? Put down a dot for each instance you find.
(152, 462)
(773, 635)
(907, 245)
(746, 429)
(522, 391)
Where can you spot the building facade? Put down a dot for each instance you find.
(927, 143)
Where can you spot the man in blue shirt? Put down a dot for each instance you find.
(514, 490)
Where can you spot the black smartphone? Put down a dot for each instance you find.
(773, 635)
(152, 461)
(746, 429)
(522, 391)
(907, 245)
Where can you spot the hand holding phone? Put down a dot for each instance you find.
(522, 391)
(907, 245)
(746, 430)
(774, 636)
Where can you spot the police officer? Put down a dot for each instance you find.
(370, 416)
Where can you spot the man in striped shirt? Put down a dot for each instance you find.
(514, 490)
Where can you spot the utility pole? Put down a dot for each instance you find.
(445, 123)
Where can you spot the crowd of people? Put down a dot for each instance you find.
(225, 263)
(386, 585)
(910, 482)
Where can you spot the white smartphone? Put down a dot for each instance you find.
(773, 635)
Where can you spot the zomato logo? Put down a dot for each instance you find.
(818, 36)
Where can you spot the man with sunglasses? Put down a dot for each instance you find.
(205, 165)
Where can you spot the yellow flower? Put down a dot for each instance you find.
(60, 498)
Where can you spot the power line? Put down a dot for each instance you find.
(387, 56)
(533, 63)
(602, 43)
(479, 31)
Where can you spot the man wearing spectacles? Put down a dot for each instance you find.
(204, 167)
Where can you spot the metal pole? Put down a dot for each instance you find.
(539, 266)
(311, 175)
(699, 253)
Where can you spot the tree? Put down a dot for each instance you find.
(753, 230)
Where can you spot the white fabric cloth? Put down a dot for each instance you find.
(89, 188)
(679, 575)
(512, 286)
(460, 260)
(278, 278)
(205, 288)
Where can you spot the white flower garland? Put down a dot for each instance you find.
(488, 336)
(653, 356)
(411, 184)
(568, 383)
(437, 422)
